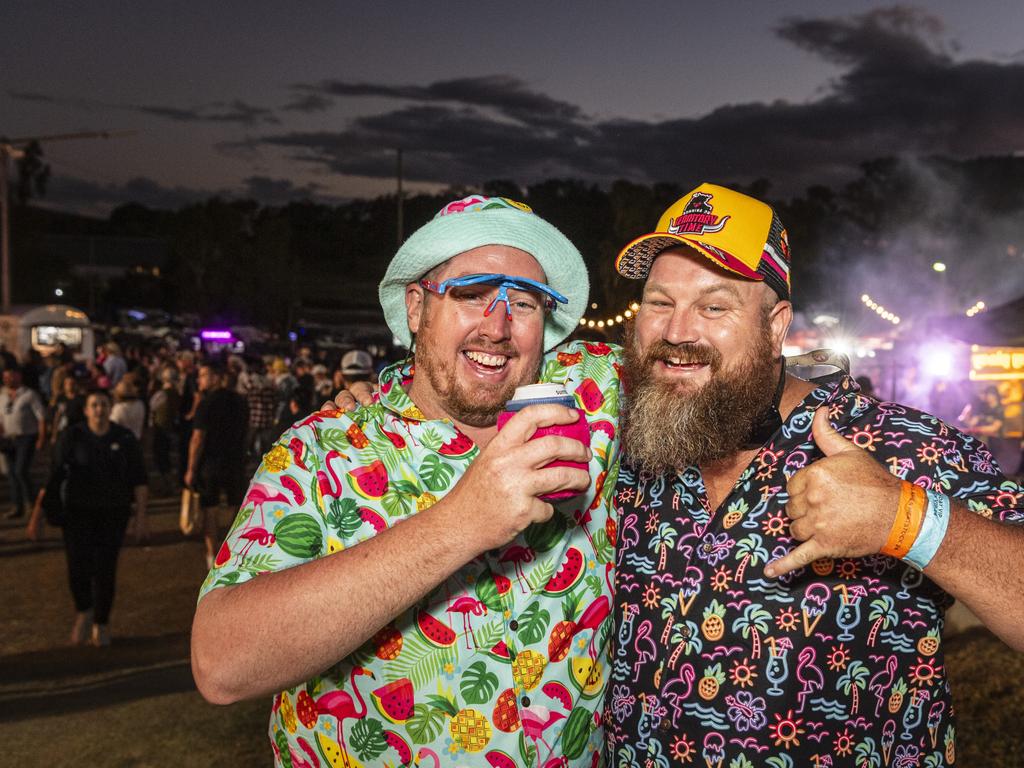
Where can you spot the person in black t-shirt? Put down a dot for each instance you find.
(216, 453)
(104, 472)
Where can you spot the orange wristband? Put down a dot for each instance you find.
(908, 522)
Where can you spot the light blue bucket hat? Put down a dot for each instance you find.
(476, 221)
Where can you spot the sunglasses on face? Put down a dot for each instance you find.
(470, 288)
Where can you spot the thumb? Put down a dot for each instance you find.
(826, 438)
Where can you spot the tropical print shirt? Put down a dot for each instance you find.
(505, 663)
(840, 663)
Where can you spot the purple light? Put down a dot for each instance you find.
(937, 360)
(216, 335)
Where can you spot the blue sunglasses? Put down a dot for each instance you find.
(549, 295)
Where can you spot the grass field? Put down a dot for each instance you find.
(134, 704)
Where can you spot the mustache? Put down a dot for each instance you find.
(690, 353)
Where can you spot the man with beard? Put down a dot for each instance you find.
(780, 595)
(481, 622)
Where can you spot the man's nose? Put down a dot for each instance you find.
(681, 328)
(496, 325)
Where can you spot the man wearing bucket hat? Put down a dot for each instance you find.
(478, 626)
(780, 593)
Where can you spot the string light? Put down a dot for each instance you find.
(879, 310)
(978, 307)
(611, 321)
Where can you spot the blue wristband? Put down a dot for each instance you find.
(933, 531)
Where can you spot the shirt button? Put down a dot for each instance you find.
(513, 625)
(685, 633)
(665, 725)
(707, 549)
(526, 701)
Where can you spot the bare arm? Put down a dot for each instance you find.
(195, 453)
(978, 561)
(338, 602)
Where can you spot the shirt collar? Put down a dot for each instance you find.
(394, 381)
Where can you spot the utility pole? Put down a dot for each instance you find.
(14, 149)
(401, 206)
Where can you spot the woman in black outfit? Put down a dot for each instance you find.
(102, 464)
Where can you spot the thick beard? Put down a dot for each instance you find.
(476, 406)
(667, 427)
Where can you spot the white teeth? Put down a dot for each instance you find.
(491, 361)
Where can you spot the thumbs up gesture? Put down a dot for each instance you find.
(842, 505)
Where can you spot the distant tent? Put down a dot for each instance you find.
(1001, 326)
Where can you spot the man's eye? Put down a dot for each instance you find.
(468, 295)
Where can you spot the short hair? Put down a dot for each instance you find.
(95, 391)
(215, 367)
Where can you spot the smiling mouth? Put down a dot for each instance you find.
(485, 361)
(677, 364)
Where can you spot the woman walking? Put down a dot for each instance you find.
(99, 473)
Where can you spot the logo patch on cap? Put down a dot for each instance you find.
(697, 218)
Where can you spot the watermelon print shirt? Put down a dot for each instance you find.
(503, 664)
(840, 663)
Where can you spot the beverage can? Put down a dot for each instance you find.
(539, 394)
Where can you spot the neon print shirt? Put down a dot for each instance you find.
(837, 664)
(505, 663)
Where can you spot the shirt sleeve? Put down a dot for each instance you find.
(971, 476)
(922, 449)
(199, 420)
(281, 523)
(38, 410)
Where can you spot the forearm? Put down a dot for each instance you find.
(195, 449)
(239, 649)
(978, 562)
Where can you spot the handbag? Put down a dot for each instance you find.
(190, 517)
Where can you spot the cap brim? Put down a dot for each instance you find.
(634, 261)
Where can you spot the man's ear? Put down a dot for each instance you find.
(414, 306)
(780, 318)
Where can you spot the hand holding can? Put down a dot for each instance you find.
(537, 394)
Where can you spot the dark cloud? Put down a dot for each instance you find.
(507, 95)
(883, 37)
(901, 91)
(236, 111)
(271, 191)
(309, 102)
(445, 145)
(32, 96)
(68, 192)
(82, 195)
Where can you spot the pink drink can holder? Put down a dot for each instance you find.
(538, 394)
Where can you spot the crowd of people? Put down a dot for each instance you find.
(206, 418)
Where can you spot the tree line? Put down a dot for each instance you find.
(240, 261)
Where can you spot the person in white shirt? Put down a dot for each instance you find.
(23, 424)
(128, 410)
